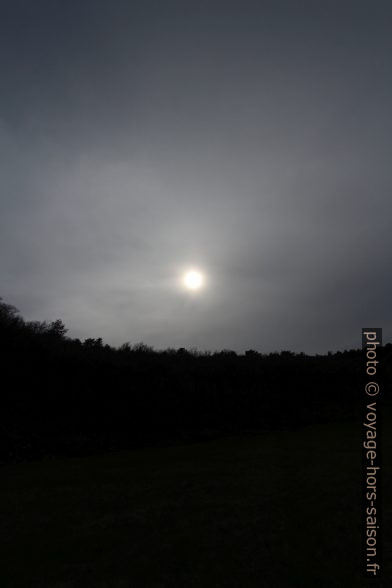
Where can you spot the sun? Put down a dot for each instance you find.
(193, 280)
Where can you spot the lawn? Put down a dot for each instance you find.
(280, 509)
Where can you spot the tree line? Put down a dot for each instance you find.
(62, 396)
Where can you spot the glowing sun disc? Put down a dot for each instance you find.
(193, 280)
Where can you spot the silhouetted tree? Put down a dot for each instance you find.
(69, 396)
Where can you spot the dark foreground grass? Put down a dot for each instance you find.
(281, 509)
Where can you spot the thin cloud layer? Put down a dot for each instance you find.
(140, 139)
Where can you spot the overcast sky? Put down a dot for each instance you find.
(249, 139)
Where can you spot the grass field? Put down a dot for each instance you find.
(282, 509)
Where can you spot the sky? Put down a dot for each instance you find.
(250, 140)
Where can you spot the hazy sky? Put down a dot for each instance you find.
(249, 139)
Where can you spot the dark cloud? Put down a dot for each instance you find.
(249, 139)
